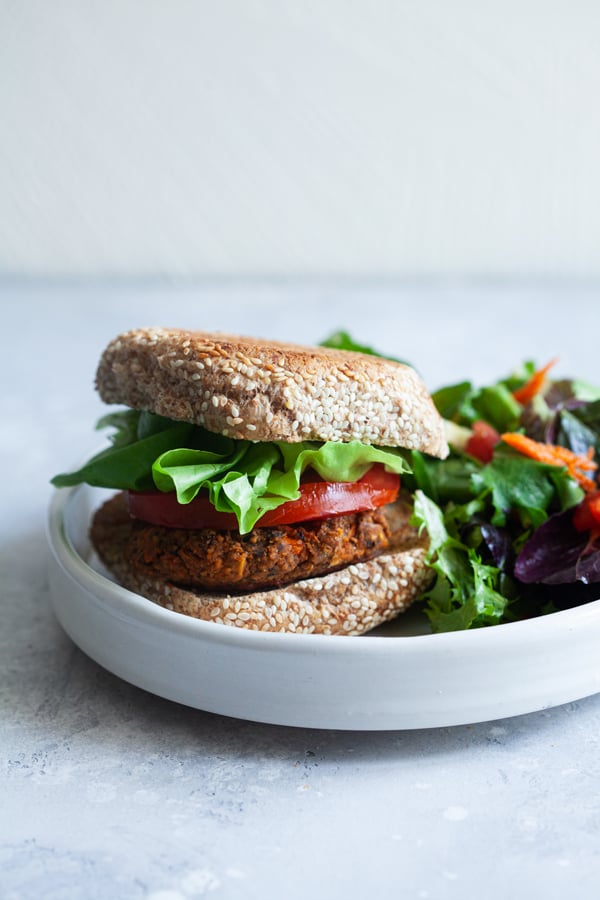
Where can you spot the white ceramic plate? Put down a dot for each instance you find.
(394, 678)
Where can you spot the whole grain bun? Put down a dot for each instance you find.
(350, 601)
(257, 390)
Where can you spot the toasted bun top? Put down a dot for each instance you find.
(258, 390)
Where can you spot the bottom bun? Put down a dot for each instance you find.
(349, 601)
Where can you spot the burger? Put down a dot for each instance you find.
(258, 482)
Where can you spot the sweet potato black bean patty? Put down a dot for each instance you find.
(267, 557)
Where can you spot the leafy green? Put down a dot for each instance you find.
(342, 340)
(464, 404)
(463, 594)
(453, 402)
(584, 391)
(579, 428)
(128, 466)
(523, 485)
(127, 425)
(497, 406)
(443, 481)
(241, 477)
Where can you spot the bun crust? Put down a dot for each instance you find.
(350, 601)
(257, 390)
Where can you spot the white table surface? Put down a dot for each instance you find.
(109, 792)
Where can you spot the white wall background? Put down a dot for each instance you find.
(438, 137)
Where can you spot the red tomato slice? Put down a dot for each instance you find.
(482, 442)
(318, 500)
(587, 515)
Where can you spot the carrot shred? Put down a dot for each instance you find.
(575, 464)
(528, 391)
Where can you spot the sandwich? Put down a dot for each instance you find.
(258, 482)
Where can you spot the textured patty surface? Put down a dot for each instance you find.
(267, 557)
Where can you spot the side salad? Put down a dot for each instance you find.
(513, 514)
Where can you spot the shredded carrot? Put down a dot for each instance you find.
(575, 464)
(527, 392)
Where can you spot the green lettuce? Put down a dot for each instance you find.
(127, 464)
(342, 340)
(464, 404)
(464, 593)
(241, 477)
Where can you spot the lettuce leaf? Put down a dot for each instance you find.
(241, 477)
(464, 404)
(525, 486)
(342, 340)
(127, 466)
(557, 553)
(464, 593)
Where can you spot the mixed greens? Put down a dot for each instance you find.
(500, 510)
(244, 478)
(504, 511)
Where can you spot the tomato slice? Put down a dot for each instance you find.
(587, 515)
(482, 442)
(318, 500)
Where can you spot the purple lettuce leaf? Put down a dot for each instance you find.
(499, 544)
(557, 553)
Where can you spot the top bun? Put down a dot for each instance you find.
(258, 390)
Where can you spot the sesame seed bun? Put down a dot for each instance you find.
(350, 601)
(257, 390)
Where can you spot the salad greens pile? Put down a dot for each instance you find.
(244, 478)
(503, 545)
(502, 540)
